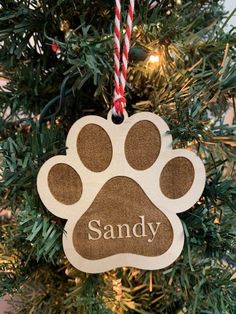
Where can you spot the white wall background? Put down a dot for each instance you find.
(230, 5)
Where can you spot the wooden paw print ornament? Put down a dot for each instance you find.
(120, 187)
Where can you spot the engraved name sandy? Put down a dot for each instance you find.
(120, 231)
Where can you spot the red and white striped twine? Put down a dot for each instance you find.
(119, 100)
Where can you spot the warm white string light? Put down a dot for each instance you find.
(154, 58)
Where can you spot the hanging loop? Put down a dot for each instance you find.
(119, 100)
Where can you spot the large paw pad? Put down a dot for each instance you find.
(120, 187)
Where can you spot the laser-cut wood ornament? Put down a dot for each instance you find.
(120, 187)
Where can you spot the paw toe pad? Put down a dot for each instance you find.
(94, 147)
(70, 191)
(143, 140)
(177, 177)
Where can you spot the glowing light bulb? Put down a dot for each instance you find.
(154, 58)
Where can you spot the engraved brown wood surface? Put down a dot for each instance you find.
(94, 147)
(65, 184)
(143, 140)
(177, 177)
(122, 201)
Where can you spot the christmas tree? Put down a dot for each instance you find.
(57, 57)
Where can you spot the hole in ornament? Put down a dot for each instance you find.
(117, 119)
(65, 184)
(142, 145)
(94, 147)
(177, 177)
